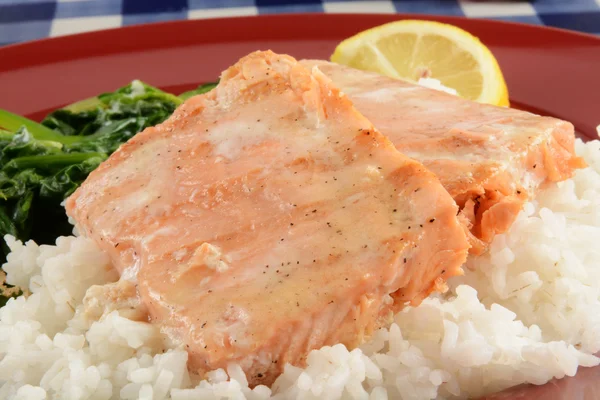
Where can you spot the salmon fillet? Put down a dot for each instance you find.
(490, 159)
(268, 218)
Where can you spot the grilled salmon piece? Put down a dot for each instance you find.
(268, 218)
(490, 159)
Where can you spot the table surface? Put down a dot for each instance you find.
(23, 20)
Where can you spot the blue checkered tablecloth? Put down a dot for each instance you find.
(22, 20)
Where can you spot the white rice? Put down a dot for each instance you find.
(530, 311)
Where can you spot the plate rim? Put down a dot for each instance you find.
(12, 52)
(297, 29)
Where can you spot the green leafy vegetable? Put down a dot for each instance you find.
(41, 164)
(13, 122)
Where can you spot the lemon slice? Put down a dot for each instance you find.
(414, 49)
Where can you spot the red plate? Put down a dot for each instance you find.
(548, 71)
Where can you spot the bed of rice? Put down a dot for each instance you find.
(530, 311)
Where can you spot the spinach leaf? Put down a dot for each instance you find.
(6, 224)
(71, 123)
(62, 184)
(13, 122)
(24, 144)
